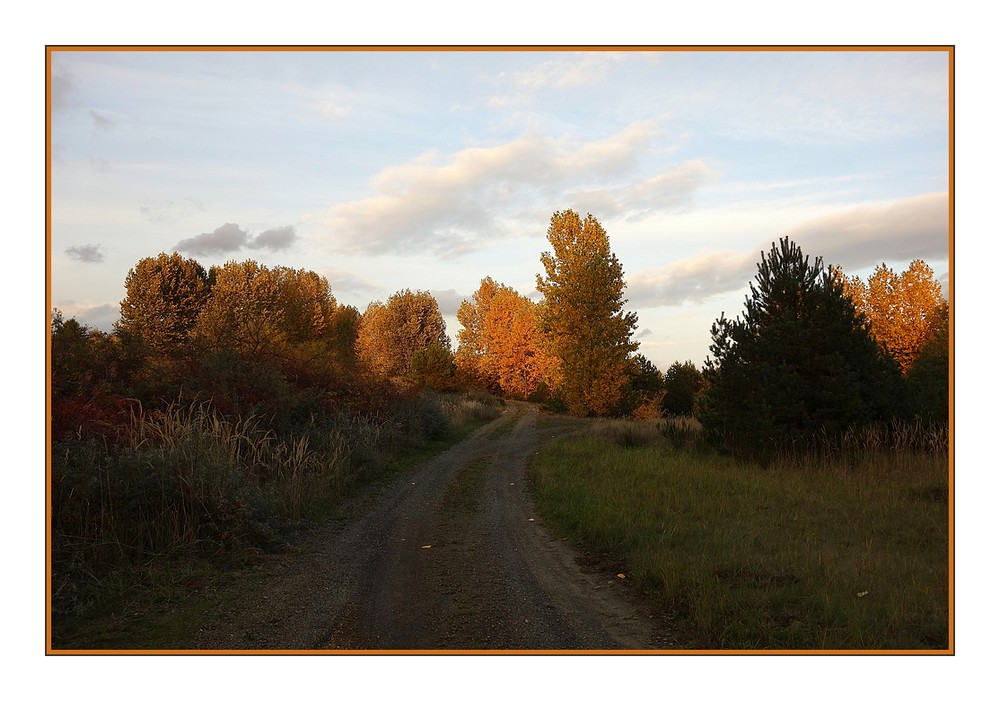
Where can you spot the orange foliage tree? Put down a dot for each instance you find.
(390, 334)
(901, 308)
(500, 342)
(583, 320)
(163, 298)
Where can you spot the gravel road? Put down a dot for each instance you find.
(452, 556)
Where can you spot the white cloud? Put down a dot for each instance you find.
(63, 85)
(860, 237)
(691, 280)
(344, 282)
(274, 239)
(225, 239)
(332, 110)
(668, 190)
(865, 236)
(170, 211)
(101, 316)
(101, 123)
(451, 205)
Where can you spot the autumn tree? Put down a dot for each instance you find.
(163, 298)
(434, 367)
(500, 342)
(472, 354)
(244, 313)
(900, 308)
(583, 321)
(389, 334)
(315, 331)
(798, 363)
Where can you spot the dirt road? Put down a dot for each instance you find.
(450, 557)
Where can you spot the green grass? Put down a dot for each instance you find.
(848, 555)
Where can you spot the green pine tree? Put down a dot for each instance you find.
(798, 365)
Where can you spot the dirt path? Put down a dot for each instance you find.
(450, 557)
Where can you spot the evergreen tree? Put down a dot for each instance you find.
(798, 364)
(682, 382)
(584, 326)
(929, 377)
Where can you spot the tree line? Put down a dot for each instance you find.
(813, 352)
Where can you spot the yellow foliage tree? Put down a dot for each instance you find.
(501, 342)
(389, 334)
(244, 312)
(900, 308)
(583, 321)
(471, 355)
(164, 296)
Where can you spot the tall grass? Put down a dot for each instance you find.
(850, 556)
(187, 481)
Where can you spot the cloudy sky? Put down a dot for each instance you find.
(384, 170)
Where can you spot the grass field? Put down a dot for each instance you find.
(849, 553)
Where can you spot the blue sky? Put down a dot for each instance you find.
(385, 170)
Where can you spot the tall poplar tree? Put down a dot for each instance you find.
(583, 322)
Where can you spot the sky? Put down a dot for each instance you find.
(429, 170)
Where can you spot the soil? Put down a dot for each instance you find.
(451, 556)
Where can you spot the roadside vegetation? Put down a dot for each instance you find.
(841, 548)
(185, 493)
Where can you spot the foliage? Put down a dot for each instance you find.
(901, 308)
(643, 393)
(583, 323)
(89, 375)
(389, 334)
(434, 367)
(500, 343)
(244, 313)
(798, 362)
(683, 383)
(163, 298)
